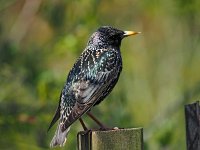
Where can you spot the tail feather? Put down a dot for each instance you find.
(60, 137)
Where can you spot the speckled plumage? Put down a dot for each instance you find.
(91, 79)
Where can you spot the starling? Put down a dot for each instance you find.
(91, 79)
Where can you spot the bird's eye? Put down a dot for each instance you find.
(115, 38)
(116, 41)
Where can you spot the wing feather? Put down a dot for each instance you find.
(56, 115)
(91, 86)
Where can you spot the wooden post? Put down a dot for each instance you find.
(119, 139)
(192, 117)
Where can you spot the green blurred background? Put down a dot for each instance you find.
(41, 39)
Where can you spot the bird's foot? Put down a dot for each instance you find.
(104, 128)
(88, 131)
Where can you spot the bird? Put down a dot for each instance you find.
(91, 79)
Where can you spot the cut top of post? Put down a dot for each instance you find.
(119, 139)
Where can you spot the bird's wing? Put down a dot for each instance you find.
(98, 71)
(56, 115)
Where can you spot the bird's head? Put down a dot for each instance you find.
(109, 36)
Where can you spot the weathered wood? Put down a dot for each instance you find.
(192, 117)
(120, 139)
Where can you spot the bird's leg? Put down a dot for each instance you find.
(97, 121)
(83, 124)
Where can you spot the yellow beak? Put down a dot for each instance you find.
(129, 33)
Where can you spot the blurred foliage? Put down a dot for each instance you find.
(40, 41)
